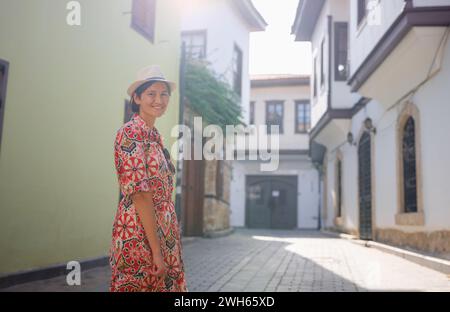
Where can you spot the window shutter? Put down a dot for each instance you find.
(322, 63)
(237, 70)
(340, 51)
(361, 10)
(143, 18)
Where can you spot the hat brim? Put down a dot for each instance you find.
(132, 88)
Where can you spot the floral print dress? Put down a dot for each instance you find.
(141, 166)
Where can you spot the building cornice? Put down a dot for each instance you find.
(308, 12)
(409, 18)
(330, 114)
(279, 81)
(251, 15)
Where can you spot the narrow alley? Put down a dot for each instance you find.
(280, 261)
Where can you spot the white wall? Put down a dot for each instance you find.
(225, 28)
(364, 38)
(308, 195)
(341, 97)
(289, 139)
(340, 91)
(434, 132)
(432, 101)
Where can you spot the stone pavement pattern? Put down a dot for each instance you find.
(277, 260)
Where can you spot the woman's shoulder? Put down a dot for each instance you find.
(131, 131)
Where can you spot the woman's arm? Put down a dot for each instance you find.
(143, 203)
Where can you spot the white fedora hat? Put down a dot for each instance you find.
(150, 73)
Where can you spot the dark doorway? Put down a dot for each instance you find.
(365, 187)
(271, 202)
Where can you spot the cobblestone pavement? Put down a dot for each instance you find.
(272, 260)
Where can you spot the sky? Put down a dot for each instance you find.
(274, 51)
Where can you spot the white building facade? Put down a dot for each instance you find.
(287, 197)
(380, 117)
(219, 31)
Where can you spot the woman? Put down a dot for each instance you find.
(145, 253)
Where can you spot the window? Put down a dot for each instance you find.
(410, 201)
(274, 115)
(340, 51)
(339, 188)
(361, 10)
(322, 62)
(195, 43)
(3, 80)
(409, 166)
(237, 70)
(315, 77)
(252, 113)
(302, 116)
(219, 179)
(143, 18)
(128, 112)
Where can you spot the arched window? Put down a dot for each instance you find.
(409, 166)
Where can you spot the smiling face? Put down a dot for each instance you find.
(154, 100)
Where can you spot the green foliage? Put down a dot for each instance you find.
(211, 97)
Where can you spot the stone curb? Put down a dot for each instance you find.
(433, 263)
(217, 234)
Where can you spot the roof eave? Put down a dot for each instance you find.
(251, 15)
(308, 12)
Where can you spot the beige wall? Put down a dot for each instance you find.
(289, 139)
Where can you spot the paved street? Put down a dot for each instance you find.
(269, 260)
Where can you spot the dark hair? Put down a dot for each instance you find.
(141, 89)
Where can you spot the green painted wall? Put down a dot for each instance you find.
(65, 101)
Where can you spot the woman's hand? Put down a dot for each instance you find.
(159, 267)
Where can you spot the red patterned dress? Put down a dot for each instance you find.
(141, 166)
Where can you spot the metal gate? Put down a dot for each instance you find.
(365, 187)
(271, 202)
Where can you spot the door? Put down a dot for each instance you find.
(271, 202)
(192, 194)
(365, 187)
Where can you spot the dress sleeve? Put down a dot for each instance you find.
(130, 162)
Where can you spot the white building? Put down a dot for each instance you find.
(218, 32)
(380, 89)
(287, 197)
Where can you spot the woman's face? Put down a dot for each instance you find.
(154, 100)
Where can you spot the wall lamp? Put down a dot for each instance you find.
(368, 124)
(350, 139)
